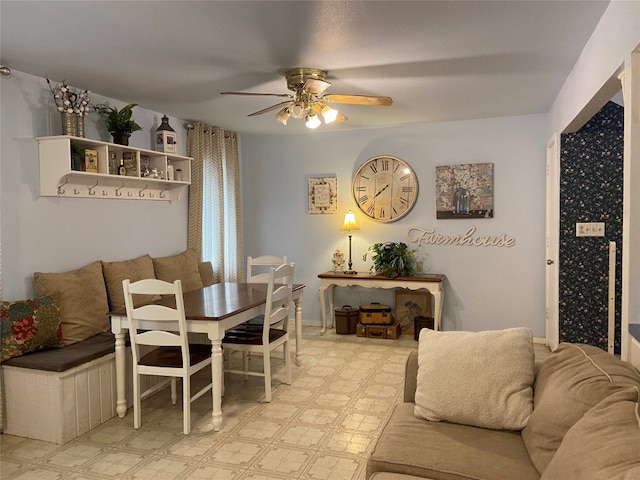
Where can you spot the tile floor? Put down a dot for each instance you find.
(319, 428)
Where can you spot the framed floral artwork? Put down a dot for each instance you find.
(464, 191)
(323, 194)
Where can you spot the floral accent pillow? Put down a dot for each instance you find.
(30, 325)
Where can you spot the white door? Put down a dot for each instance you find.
(552, 240)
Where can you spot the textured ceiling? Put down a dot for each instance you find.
(439, 61)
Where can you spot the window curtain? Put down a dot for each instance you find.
(215, 228)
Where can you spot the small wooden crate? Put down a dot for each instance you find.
(387, 332)
(419, 323)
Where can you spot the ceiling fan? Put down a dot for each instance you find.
(306, 102)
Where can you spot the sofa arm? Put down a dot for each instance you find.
(411, 377)
(206, 274)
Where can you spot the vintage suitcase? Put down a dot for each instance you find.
(375, 314)
(346, 320)
(388, 332)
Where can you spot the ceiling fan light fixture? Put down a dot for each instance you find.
(283, 115)
(329, 114)
(313, 121)
(297, 110)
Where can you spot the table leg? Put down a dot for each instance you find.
(216, 379)
(121, 374)
(331, 305)
(298, 316)
(438, 298)
(323, 307)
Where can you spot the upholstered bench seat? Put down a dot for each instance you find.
(62, 359)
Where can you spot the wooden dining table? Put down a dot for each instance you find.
(211, 310)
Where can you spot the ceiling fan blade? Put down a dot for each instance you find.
(357, 99)
(315, 86)
(262, 94)
(270, 109)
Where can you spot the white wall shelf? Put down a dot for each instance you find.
(59, 179)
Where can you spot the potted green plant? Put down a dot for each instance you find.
(119, 122)
(392, 259)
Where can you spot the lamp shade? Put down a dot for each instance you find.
(350, 222)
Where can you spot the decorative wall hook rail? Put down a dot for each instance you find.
(76, 191)
(61, 190)
(140, 194)
(118, 194)
(162, 195)
(91, 189)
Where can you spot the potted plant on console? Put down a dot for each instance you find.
(392, 259)
(119, 122)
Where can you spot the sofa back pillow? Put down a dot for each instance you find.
(135, 269)
(482, 379)
(572, 380)
(30, 325)
(83, 300)
(604, 443)
(183, 266)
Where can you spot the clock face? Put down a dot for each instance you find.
(385, 188)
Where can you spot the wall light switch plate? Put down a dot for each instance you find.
(590, 229)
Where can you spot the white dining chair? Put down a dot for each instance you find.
(274, 332)
(173, 356)
(258, 267)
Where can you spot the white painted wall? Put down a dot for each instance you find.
(49, 234)
(615, 37)
(486, 288)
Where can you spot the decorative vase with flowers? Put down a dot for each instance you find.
(119, 122)
(73, 107)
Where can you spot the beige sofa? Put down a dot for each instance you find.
(585, 425)
(67, 386)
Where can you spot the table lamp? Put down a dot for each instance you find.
(348, 225)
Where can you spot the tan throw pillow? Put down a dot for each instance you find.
(482, 379)
(183, 266)
(134, 270)
(83, 300)
(604, 443)
(571, 380)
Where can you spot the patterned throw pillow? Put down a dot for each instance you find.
(30, 326)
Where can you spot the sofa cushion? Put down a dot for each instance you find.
(206, 274)
(604, 443)
(134, 269)
(442, 450)
(30, 325)
(572, 380)
(183, 266)
(484, 379)
(63, 359)
(83, 300)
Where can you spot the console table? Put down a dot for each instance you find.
(330, 280)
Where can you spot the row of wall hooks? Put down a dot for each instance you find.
(91, 190)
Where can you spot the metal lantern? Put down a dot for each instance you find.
(165, 137)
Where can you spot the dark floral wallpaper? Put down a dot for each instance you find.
(591, 175)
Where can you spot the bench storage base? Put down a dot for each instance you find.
(59, 406)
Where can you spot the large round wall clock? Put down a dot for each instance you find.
(385, 188)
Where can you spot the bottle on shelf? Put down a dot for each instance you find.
(122, 170)
(169, 170)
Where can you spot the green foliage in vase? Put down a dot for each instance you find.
(118, 120)
(392, 259)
